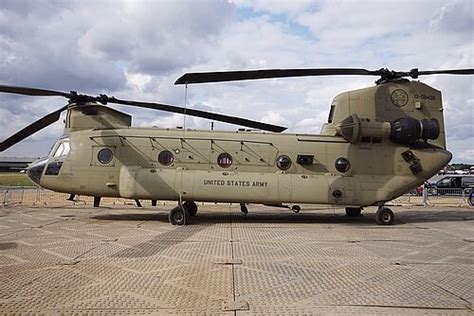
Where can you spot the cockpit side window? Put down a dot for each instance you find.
(62, 149)
(331, 113)
(67, 148)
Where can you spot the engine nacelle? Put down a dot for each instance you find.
(404, 130)
(407, 130)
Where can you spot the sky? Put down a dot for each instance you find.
(137, 49)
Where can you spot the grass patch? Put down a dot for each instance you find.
(15, 179)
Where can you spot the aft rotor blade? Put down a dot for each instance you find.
(31, 129)
(32, 91)
(447, 71)
(202, 114)
(219, 76)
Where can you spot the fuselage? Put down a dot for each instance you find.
(245, 167)
(379, 142)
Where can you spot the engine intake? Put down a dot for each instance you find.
(407, 130)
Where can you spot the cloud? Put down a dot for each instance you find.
(282, 7)
(455, 17)
(136, 50)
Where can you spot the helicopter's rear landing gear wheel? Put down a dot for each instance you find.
(179, 216)
(191, 207)
(384, 216)
(353, 211)
(243, 209)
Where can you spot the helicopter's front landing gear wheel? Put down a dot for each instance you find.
(384, 216)
(353, 211)
(191, 207)
(179, 216)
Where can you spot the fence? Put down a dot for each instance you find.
(34, 196)
(431, 196)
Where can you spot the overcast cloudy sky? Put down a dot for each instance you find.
(137, 49)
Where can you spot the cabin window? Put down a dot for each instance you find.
(166, 158)
(224, 160)
(62, 150)
(105, 156)
(283, 162)
(342, 164)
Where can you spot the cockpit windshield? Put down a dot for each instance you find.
(61, 149)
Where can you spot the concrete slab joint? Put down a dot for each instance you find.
(229, 261)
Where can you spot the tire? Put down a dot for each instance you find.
(353, 211)
(179, 216)
(191, 207)
(384, 216)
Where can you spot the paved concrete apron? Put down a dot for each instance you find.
(119, 260)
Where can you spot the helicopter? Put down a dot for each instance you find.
(378, 143)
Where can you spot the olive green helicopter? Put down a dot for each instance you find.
(378, 143)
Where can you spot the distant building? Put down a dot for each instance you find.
(14, 164)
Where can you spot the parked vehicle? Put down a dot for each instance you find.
(452, 184)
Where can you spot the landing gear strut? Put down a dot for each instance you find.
(137, 201)
(243, 209)
(384, 216)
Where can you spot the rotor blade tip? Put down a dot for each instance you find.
(180, 80)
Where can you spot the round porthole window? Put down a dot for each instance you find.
(283, 162)
(342, 164)
(166, 158)
(105, 156)
(224, 160)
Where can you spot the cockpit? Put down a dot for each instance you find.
(53, 162)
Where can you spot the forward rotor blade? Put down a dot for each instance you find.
(219, 76)
(31, 129)
(447, 71)
(386, 74)
(203, 114)
(32, 91)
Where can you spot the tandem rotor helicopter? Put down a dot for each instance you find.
(378, 143)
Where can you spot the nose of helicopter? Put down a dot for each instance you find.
(35, 170)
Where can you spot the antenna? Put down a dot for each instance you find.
(185, 106)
